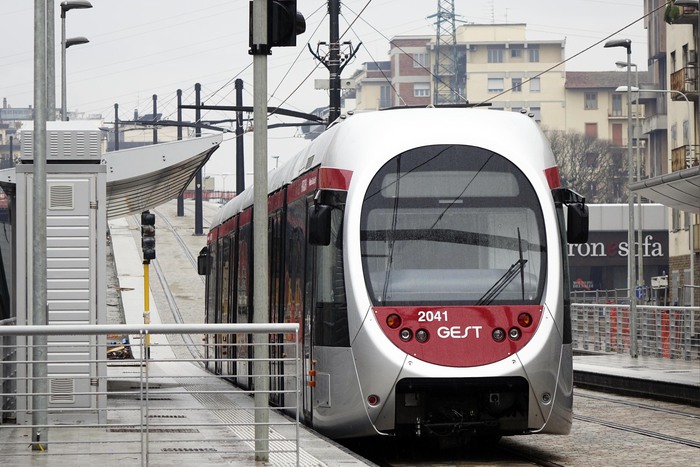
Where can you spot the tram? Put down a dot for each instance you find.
(423, 253)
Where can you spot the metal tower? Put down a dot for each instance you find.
(448, 77)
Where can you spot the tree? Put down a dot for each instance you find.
(592, 167)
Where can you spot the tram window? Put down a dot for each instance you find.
(446, 224)
(331, 318)
(212, 282)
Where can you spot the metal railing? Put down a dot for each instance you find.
(170, 405)
(685, 295)
(662, 331)
(8, 354)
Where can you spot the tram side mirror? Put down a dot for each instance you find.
(202, 261)
(577, 223)
(320, 225)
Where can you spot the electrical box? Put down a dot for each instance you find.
(65, 142)
(76, 270)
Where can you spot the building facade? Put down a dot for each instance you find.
(672, 129)
(495, 65)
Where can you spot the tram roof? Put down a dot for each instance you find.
(679, 190)
(142, 178)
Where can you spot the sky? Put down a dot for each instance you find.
(139, 48)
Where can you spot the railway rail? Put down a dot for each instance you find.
(607, 430)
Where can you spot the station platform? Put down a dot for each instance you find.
(191, 417)
(175, 234)
(672, 380)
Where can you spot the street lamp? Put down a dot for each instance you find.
(638, 198)
(65, 7)
(631, 273)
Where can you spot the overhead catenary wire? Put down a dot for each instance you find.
(359, 16)
(387, 78)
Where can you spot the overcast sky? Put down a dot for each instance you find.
(143, 47)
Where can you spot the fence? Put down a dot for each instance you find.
(8, 354)
(664, 332)
(685, 295)
(161, 401)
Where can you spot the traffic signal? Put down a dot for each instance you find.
(285, 23)
(148, 235)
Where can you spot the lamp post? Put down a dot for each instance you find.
(638, 162)
(65, 43)
(631, 273)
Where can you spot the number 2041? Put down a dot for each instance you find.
(428, 316)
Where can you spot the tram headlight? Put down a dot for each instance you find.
(514, 333)
(393, 321)
(524, 320)
(406, 334)
(422, 335)
(498, 335)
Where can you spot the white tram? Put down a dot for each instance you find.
(422, 251)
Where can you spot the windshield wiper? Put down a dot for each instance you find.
(498, 287)
(501, 283)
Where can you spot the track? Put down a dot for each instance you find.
(180, 241)
(639, 431)
(639, 406)
(607, 430)
(190, 344)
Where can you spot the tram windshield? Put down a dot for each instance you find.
(453, 225)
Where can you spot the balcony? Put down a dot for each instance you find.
(684, 157)
(654, 123)
(685, 80)
(621, 114)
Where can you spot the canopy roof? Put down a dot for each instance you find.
(679, 190)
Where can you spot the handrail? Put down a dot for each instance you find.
(88, 329)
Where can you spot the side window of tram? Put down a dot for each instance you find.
(220, 341)
(295, 254)
(212, 281)
(330, 307)
(224, 243)
(243, 289)
(276, 261)
(211, 294)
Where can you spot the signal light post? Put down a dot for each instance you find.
(148, 246)
(273, 23)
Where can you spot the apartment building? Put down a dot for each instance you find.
(672, 175)
(495, 65)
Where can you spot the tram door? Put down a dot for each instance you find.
(276, 257)
(244, 300)
(222, 340)
(295, 291)
(212, 283)
(230, 364)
